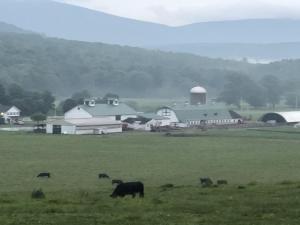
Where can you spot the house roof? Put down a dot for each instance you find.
(4, 108)
(287, 117)
(109, 110)
(84, 122)
(186, 113)
(152, 116)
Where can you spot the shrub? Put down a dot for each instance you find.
(38, 194)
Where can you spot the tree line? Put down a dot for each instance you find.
(29, 102)
(268, 91)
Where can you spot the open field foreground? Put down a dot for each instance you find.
(264, 162)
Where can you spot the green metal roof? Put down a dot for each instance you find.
(109, 110)
(152, 116)
(186, 112)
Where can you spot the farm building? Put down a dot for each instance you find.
(9, 114)
(292, 117)
(198, 112)
(92, 118)
(112, 111)
(192, 115)
(146, 121)
(83, 126)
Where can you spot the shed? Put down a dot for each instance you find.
(84, 126)
(291, 117)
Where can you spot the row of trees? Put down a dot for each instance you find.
(269, 90)
(28, 102)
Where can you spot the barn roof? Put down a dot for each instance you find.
(152, 116)
(184, 115)
(285, 117)
(186, 112)
(84, 122)
(109, 110)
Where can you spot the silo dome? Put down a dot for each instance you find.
(198, 90)
(198, 96)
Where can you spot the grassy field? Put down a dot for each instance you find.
(265, 162)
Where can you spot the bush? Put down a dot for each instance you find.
(38, 194)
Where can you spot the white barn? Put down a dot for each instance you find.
(195, 115)
(92, 118)
(83, 126)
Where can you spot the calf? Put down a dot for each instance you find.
(206, 182)
(103, 175)
(129, 188)
(116, 182)
(44, 175)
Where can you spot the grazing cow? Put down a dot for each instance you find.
(129, 188)
(206, 182)
(103, 175)
(116, 182)
(222, 182)
(44, 175)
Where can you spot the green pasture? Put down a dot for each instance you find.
(264, 161)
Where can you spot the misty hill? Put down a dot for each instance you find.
(76, 23)
(263, 53)
(4, 27)
(64, 67)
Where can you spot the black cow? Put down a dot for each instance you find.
(116, 182)
(129, 188)
(206, 182)
(44, 175)
(103, 175)
(222, 182)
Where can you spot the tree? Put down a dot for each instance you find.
(48, 101)
(273, 89)
(38, 117)
(292, 100)
(239, 88)
(110, 96)
(15, 91)
(69, 104)
(3, 97)
(80, 96)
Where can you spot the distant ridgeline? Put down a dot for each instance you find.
(39, 63)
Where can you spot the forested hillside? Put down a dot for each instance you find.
(4, 27)
(64, 67)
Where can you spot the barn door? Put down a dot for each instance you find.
(56, 129)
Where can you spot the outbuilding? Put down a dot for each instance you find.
(194, 115)
(291, 117)
(83, 126)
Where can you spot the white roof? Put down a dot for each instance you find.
(198, 90)
(85, 122)
(290, 117)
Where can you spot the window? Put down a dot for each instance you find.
(118, 117)
(166, 112)
(205, 114)
(215, 114)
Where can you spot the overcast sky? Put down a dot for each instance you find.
(179, 12)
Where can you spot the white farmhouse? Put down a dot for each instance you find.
(10, 114)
